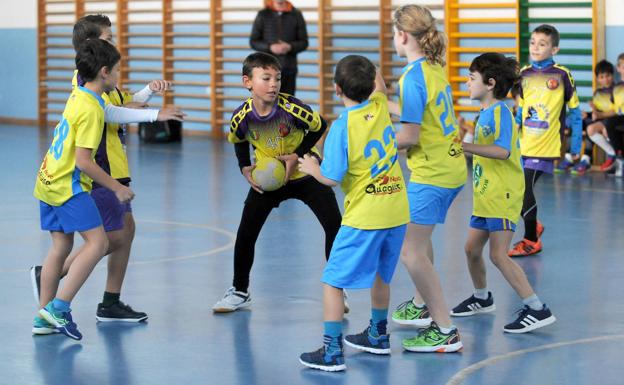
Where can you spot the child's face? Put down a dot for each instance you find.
(541, 47)
(264, 83)
(476, 87)
(111, 77)
(620, 68)
(399, 39)
(107, 34)
(604, 80)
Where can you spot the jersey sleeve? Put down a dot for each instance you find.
(89, 126)
(335, 153)
(238, 125)
(503, 126)
(570, 95)
(305, 117)
(413, 98)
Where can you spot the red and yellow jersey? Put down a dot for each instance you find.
(81, 125)
(603, 99)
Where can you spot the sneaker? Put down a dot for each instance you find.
(474, 305)
(43, 327)
(529, 319)
(525, 248)
(61, 320)
(608, 164)
(581, 168)
(232, 301)
(366, 342)
(346, 304)
(540, 229)
(409, 314)
(35, 281)
(322, 360)
(563, 166)
(432, 339)
(120, 312)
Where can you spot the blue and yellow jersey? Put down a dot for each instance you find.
(111, 155)
(544, 94)
(603, 99)
(425, 99)
(361, 153)
(278, 133)
(82, 125)
(498, 185)
(618, 98)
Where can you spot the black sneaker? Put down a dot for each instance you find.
(35, 281)
(119, 312)
(474, 305)
(529, 319)
(321, 360)
(364, 341)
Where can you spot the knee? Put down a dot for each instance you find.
(498, 259)
(471, 253)
(102, 246)
(591, 129)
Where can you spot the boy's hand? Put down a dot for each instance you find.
(124, 194)
(290, 161)
(160, 86)
(247, 174)
(170, 113)
(308, 164)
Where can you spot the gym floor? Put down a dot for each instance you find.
(188, 204)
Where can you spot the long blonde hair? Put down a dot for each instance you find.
(418, 22)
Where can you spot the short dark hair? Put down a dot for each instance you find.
(604, 67)
(260, 60)
(93, 55)
(550, 31)
(89, 27)
(355, 75)
(504, 70)
(620, 57)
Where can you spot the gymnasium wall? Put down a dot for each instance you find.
(18, 71)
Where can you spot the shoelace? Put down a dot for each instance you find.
(523, 311)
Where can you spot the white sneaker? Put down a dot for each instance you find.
(232, 301)
(619, 167)
(346, 304)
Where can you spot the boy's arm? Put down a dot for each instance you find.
(155, 86)
(408, 135)
(256, 39)
(122, 115)
(574, 114)
(335, 157)
(310, 165)
(486, 150)
(241, 149)
(86, 164)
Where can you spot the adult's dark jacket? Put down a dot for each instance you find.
(271, 26)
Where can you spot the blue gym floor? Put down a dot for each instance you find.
(188, 203)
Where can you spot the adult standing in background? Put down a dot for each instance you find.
(280, 29)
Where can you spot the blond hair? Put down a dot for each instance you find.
(418, 22)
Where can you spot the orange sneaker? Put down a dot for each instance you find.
(525, 248)
(540, 229)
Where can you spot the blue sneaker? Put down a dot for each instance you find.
(366, 342)
(61, 320)
(322, 360)
(563, 166)
(581, 168)
(43, 327)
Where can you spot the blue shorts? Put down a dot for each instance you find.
(357, 256)
(111, 210)
(492, 224)
(79, 213)
(429, 204)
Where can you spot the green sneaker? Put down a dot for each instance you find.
(432, 339)
(409, 314)
(43, 327)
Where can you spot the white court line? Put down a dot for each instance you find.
(460, 376)
(229, 245)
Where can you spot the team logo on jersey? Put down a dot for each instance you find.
(552, 83)
(368, 116)
(537, 117)
(485, 130)
(478, 179)
(385, 185)
(254, 134)
(284, 130)
(455, 149)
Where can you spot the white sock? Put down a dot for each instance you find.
(533, 302)
(447, 330)
(568, 157)
(585, 158)
(468, 138)
(481, 293)
(418, 305)
(602, 142)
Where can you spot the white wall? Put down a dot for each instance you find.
(18, 14)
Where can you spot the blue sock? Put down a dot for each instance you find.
(60, 305)
(333, 330)
(379, 321)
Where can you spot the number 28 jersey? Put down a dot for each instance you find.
(425, 99)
